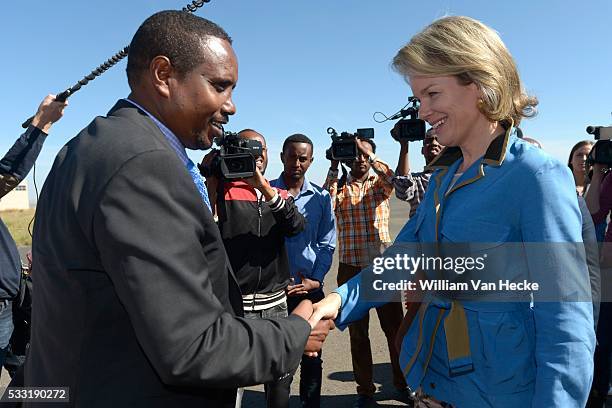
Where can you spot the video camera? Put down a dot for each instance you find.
(236, 159)
(411, 128)
(343, 146)
(603, 147)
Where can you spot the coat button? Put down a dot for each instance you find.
(432, 385)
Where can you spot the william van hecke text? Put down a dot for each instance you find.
(447, 285)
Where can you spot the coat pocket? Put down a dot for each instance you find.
(503, 350)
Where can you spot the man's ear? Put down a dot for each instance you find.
(282, 157)
(161, 72)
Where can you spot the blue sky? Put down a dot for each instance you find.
(307, 65)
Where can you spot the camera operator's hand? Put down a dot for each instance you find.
(207, 162)
(259, 182)
(395, 135)
(592, 195)
(328, 156)
(49, 112)
(403, 162)
(208, 159)
(598, 168)
(365, 148)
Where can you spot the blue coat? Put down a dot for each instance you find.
(511, 353)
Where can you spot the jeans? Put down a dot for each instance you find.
(277, 392)
(6, 327)
(311, 367)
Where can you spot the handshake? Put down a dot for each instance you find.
(320, 317)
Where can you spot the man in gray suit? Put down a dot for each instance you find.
(136, 304)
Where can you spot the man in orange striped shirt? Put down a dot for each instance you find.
(361, 204)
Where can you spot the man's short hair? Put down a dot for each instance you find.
(175, 34)
(298, 138)
(248, 130)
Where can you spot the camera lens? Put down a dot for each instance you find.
(237, 165)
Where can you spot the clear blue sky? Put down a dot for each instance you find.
(306, 65)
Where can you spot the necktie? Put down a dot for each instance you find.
(199, 182)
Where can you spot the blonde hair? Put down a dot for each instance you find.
(466, 48)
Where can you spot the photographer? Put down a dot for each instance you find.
(254, 219)
(14, 167)
(599, 202)
(411, 187)
(361, 204)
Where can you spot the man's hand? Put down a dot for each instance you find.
(598, 169)
(296, 290)
(304, 309)
(310, 284)
(207, 160)
(319, 330)
(328, 156)
(259, 182)
(303, 288)
(395, 132)
(317, 336)
(205, 167)
(365, 148)
(49, 111)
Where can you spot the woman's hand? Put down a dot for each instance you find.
(326, 309)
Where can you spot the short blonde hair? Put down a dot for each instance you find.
(474, 53)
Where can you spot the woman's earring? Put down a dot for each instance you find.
(480, 105)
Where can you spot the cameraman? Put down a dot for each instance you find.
(14, 167)
(411, 187)
(361, 204)
(599, 195)
(254, 219)
(599, 202)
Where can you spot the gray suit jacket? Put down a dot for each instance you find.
(135, 302)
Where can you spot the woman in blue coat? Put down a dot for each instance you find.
(509, 207)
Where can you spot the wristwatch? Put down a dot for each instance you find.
(372, 159)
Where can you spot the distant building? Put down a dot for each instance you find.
(16, 199)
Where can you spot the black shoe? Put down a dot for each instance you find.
(403, 395)
(364, 401)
